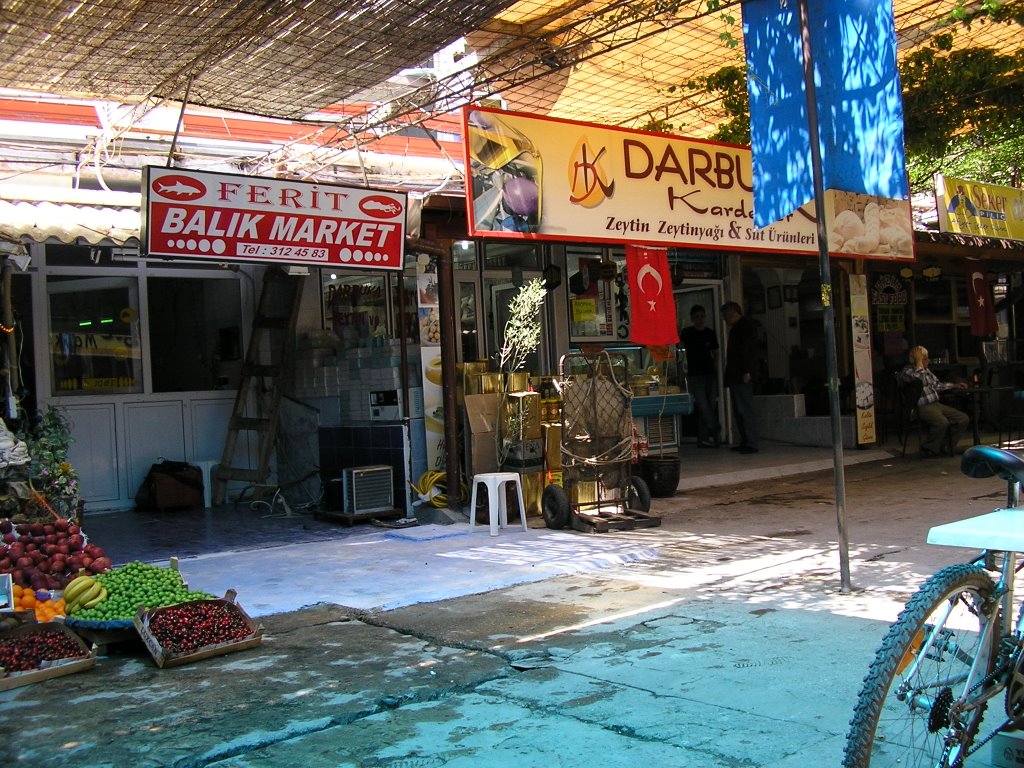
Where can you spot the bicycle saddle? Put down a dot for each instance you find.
(985, 461)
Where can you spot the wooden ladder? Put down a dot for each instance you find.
(267, 362)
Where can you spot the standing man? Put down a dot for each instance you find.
(701, 345)
(741, 358)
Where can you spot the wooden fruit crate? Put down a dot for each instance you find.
(51, 669)
(165, 658)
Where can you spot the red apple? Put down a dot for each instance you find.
(62, 525)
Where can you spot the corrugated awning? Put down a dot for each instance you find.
(69, 223)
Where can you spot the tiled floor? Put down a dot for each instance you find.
(154, 536)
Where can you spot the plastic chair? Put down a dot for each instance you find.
(497, 501)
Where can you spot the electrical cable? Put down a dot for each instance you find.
(431, 489)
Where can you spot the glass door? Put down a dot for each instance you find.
(94, 336)
(709, 296)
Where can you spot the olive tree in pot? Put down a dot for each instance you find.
(521, 339)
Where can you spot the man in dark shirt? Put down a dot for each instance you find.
(741, 359)
(701, 345)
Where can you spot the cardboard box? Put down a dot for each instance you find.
(52, 669)
(482, 413)
(165, 658)
(481, 416)
(1008, 750)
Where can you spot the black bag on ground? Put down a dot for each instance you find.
(171, 485)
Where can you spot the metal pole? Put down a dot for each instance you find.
(826, 300)
(446, 305)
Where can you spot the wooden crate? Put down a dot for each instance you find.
(57, 668)
(166, 659)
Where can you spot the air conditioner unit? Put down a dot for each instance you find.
(368, 489)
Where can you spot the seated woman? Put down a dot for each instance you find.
(940, 420)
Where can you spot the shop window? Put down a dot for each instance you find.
(410, 326)
(94, 335)
(933, 300)
(464, 255)
(598, 294)
(195, 333)
(512, 256)
(467, 314)
(355, 307)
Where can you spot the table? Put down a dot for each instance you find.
(975, 395)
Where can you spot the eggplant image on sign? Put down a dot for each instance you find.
(225, 217)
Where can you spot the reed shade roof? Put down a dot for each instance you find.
(615, 63)
(277, 58)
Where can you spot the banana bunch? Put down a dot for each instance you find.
(83, 592)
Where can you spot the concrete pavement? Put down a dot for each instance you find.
(720, 639)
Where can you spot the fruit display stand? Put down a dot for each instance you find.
(235, 630)
(103, 634)
(74, 655)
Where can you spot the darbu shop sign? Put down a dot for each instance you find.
(540, 178)
(228, 218)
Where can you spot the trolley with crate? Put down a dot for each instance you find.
(598, 492)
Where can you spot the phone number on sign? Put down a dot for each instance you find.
(261, 250)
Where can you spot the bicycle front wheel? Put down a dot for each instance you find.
(904, 713)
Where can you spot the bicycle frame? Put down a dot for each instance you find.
(1009, 624)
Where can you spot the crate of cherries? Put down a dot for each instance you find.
(31, 652)
(195, 630)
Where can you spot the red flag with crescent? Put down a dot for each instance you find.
(980, 301)
(652, 317)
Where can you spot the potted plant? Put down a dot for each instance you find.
(47, 484)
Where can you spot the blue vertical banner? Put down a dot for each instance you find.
(859, 102)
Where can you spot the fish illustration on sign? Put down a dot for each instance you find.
(178, 188)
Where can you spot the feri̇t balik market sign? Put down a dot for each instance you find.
(233, 218)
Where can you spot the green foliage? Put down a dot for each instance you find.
(961, 107)
(994, 155)
(522, 331)
(48, 473)
(48, 439)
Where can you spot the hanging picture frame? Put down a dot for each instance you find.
(774, 297)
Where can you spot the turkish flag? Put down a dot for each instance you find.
(979, 300)
(652, 317)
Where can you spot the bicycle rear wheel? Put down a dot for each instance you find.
(903, 717)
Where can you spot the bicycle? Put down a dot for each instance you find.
(954, 648)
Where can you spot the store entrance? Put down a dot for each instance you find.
(706, 294)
